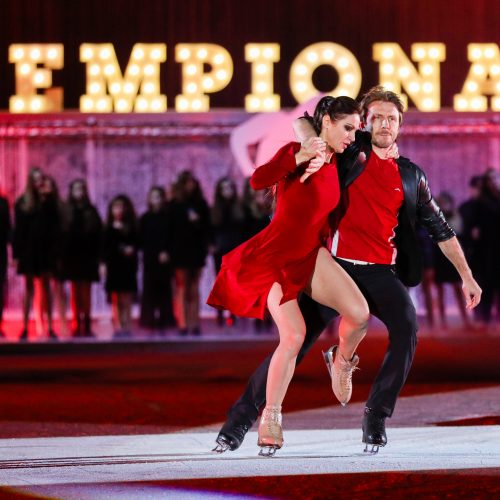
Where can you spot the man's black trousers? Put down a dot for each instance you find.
(390, 302)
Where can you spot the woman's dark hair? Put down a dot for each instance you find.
(335, 107)
(54, 195)
(489, 189)
(129, 217)
(218, 189)
(31, 197)
(223, 205)
(85, 199)
(179, 191)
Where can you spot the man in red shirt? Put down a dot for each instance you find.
(374, 240)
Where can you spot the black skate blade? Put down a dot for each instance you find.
(268, 451)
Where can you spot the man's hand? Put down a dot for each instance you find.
(309, 149)
(452, 250)
(472, 293)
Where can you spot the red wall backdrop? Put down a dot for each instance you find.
(233, 23)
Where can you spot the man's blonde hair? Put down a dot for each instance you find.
(380, 93)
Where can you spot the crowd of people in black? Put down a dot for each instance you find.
(55, 242)
(477, 224)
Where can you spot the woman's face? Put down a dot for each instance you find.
(77, 191)
(227, 190)
(38, 179)
(118, 210)
(46, 187)
(492, 179)
(446, 204)
(190, 185)
(155, 199)
(338, 134)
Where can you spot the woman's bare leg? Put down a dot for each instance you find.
(29, 292)
(39, 305)
(292, 329)
(333, 287)
(115, 310)
(193, 299)
(127, 311)
(441, 307)
(86, 303)
(180, 298)
(75, 308)
(61, 300)
(427, 281)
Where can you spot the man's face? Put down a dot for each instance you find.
(382, 121)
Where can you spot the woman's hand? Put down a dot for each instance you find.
(103, 271)
(128, 250)
(309, 149)
(314, 165)
(163, 257)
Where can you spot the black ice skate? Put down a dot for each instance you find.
(373, 426)
(230, 436)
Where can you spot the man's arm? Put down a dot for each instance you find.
(453, 252)
(303, 129)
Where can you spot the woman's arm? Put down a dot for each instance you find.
(279, 166)
(285, 161)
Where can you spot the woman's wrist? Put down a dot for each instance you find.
(301, 157)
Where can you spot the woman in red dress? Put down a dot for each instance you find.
(289, 257)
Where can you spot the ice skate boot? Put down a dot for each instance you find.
(373, 426)
(341, 373)
(270, 431)
(230, 436)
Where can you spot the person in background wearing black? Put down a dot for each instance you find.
(257, 213)
(191, 234)
(156, 300)
(34, 242)
(468, 212)
(58, 297)
(227, 225)
(80, 255)
(5, 229)
(427, 251)
(485, 230)
(120, 246)
(444, 271)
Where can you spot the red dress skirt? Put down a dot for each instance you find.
(285, 251)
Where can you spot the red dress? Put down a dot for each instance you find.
(285, 251)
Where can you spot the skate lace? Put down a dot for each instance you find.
(272, 415)
(240, 431)
(346, 376)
